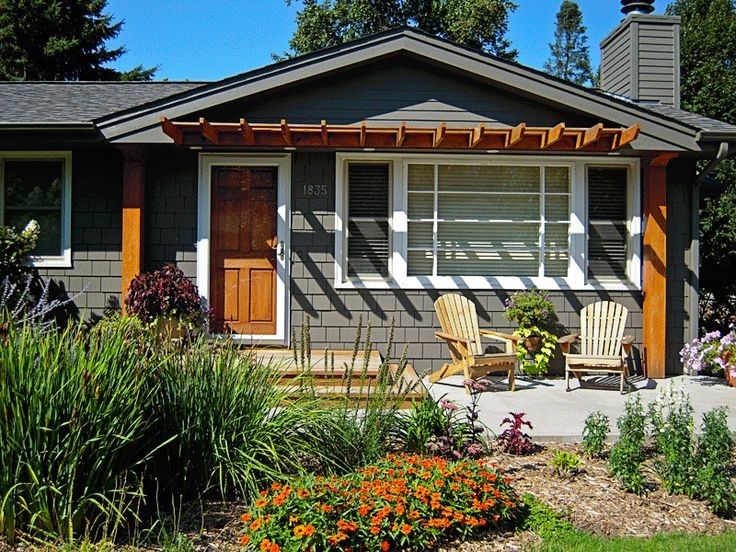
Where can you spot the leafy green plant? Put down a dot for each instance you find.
(425, 420)
(402, 502)
(565, 463)
(530, 309)
(73, 427)
(596, 430)
(535, 362)
(15, 247)
(671, 416)
(627, 455)
(546, 522)
(714, 454)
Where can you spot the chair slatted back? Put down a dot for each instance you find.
(458, 317)
(602, 327)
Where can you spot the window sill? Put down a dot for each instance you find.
(63, 261)
(510, 283)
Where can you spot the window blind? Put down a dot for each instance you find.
(607, 219)
(467, 220)
(368, 214)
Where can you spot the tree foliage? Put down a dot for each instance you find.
(478, 24)
(569, 53)
(708, 86)
(60, 40)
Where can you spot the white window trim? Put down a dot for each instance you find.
(64, 259)
(283, 230)
(398, 225)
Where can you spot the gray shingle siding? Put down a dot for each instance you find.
(96, 230)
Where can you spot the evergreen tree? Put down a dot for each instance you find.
(708, 87)
(60, 40)
(570, 58)
(478, 24)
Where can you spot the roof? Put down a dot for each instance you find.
(131, 112)
(66, 102)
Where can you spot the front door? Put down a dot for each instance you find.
(244, 241)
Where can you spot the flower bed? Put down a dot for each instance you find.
(403, 502)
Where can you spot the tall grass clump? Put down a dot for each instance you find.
(365, 421)
(73, 428)
(236, 427)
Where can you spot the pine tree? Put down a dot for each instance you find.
(60, 40)
(478, 24)
(570, 58)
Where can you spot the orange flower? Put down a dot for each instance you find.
(278, 500)
(385, 546)
(256, 525)
(363, 510)
(302, 493)
(246, 517)
(245, 539)
(347, 526)
(303, 531)
(261, 503)
(375, 529)
(337, 537)
(406, 528)
(326, 508)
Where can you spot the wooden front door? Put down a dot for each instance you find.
(243, 250)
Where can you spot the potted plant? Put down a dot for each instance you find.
(168, 301)
(533, 312)
(712, 355)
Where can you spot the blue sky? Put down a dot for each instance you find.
(212, 39)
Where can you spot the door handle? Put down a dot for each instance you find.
(279, 248)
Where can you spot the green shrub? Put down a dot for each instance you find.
(627, 454)
(73, 428)
(565, 463)
(425, 420)
(403, 502)
(546, 522)
(14, 249)
(596, 430)
(714, 454)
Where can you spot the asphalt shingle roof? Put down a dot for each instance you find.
(63, 102)
(691, 119)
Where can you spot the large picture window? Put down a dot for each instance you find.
(36, 186)
(416, 221)
(487, 220)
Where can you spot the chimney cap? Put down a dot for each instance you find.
(637, 6)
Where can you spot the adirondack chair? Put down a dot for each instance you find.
(603, 346)
(459, 322)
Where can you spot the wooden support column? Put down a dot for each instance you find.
(655, 265)
(134, 190)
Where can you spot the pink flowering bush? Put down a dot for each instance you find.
(711, 354)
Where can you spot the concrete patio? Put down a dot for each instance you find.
(560, 416)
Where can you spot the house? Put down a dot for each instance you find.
(370, 178)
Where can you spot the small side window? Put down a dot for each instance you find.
(607, 223)
(368, 220)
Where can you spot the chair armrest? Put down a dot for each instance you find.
(566, 341)
(628, 343)
(449, 337)
(492, 334)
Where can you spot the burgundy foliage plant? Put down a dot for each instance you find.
(513, 439)
(165, 292)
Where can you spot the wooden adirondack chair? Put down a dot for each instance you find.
(459, 322)
(603, 346)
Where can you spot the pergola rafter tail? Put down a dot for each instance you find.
(323, 135)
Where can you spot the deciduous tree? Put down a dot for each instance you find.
(478, 24)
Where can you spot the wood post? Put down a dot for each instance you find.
(655, 265)
(134, 189)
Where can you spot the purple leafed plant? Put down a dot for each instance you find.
(513, 440)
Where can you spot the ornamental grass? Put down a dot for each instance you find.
(402, 502)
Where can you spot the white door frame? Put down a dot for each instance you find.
(283, 230)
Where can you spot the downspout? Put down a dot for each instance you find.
(723, 152)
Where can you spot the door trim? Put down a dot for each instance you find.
(283, 229)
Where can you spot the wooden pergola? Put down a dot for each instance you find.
(597, 138)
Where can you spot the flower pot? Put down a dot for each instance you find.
(729, 369)
(533, 343)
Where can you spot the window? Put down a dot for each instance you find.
(419, 221)
(36, 186)
(607, 222)
(486, 220)
(368, 218)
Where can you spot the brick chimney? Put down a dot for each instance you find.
(640, 58)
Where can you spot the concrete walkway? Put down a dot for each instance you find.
(560, 416)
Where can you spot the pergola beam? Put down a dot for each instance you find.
(283, 134)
